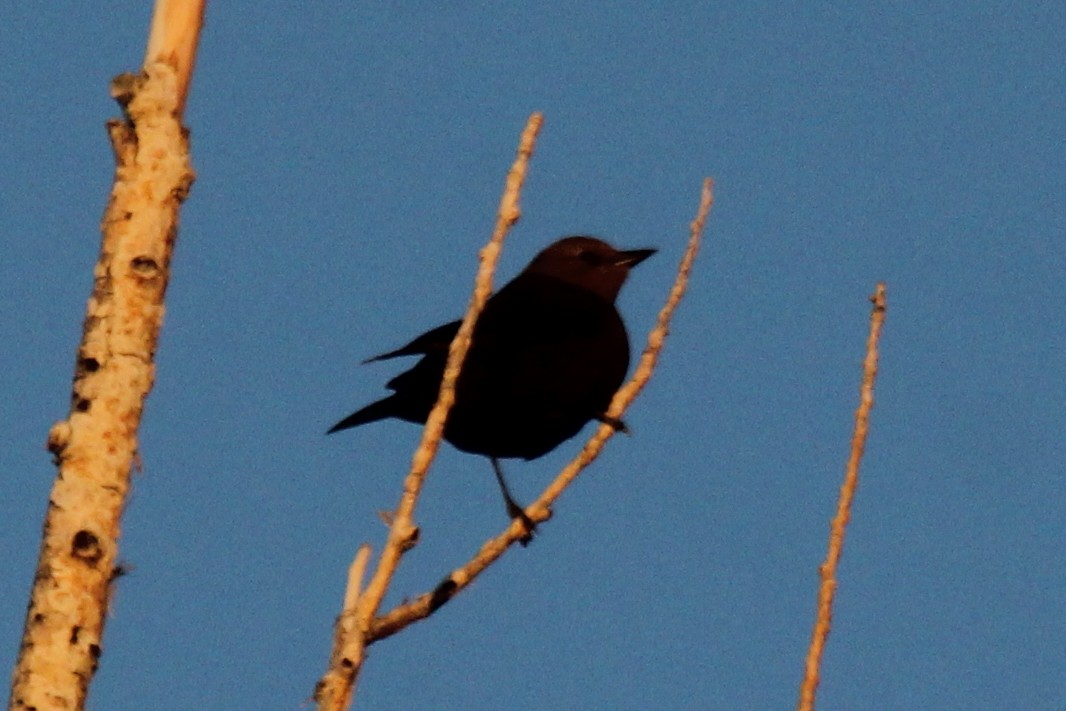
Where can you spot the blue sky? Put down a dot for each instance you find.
(350, 160)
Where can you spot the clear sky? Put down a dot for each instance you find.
(350, 159)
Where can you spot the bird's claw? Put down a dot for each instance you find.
(617, 424)
(517, 512)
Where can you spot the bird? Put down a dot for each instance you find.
(547, 355)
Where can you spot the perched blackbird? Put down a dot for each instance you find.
(548, 353)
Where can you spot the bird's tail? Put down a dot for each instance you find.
(373, 412)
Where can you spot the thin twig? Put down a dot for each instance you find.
(347, 636)
(426, 604)
(403, 533)
(828, 569)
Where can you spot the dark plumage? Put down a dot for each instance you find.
(548, 353)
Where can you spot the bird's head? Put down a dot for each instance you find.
(589, 263)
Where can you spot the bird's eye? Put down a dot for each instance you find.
(590, 258)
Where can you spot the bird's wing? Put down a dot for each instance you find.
(430, 342)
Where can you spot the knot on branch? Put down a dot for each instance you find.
(86, 546)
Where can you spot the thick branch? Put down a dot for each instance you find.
(173, 39)
(96, 446)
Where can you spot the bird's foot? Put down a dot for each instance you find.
(517, 512)
(617, 424)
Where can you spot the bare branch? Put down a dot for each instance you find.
(348, 649)
(173, 39)
(828, 569)
(403, 533)
(96, 446)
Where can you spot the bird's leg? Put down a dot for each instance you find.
(513, 509)
(614, 422)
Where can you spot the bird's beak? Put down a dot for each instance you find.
(633, 257)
